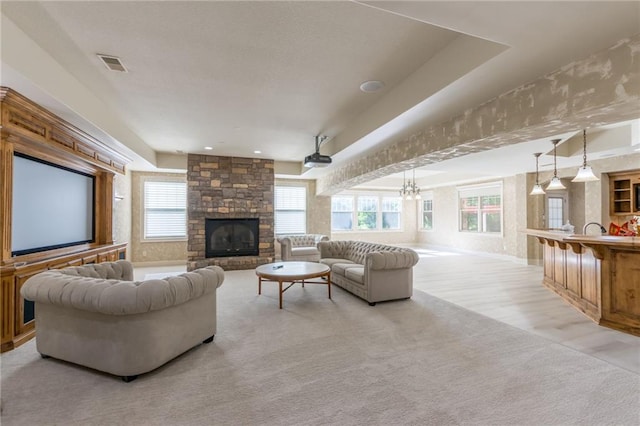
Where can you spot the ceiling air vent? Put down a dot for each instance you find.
(112, 62)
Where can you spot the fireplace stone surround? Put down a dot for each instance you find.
(229, 188)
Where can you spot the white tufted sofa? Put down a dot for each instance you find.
(374, 272)
(96, 316)
(301, 247)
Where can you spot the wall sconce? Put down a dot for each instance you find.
(537, 188)
(585, 174)
(555, 183)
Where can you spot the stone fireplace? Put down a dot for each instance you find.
(237, 194)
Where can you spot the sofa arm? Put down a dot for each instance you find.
(405, 258)
(285, 247)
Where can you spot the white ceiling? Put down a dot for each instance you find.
(269, 76)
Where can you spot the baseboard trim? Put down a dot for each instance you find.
(160, 263)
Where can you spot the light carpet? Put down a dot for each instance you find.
(421, 361)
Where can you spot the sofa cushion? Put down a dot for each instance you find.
(341, 268)
(355, 273)
(329, 261)
(304, 251)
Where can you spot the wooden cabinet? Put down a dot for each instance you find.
(624, 188)
(18, 315)
(27, 129)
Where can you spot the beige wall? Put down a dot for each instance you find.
(122, 210)
(445, 222)
(151, 251)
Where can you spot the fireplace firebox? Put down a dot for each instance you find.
(232, 237)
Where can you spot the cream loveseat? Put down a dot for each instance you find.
(96, 316)
(374, 272)
(301, 247)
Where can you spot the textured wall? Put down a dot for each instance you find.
(229, 187)
(151, 251)
(445, 223)
(601, 89)
(122, 210)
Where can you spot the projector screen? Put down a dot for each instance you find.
(52, 206)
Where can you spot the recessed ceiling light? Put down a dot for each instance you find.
(257, 152)
(208, 148)
(371, 86)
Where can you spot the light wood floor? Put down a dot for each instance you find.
(511, 293)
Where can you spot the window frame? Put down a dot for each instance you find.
(485, 190)
(379, 212)
(143, 210)
(428, 196)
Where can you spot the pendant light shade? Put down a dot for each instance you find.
(537, 188)
(585, 174)
(555, 183)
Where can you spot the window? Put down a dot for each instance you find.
(290, 210)
(391, 211)
(341, 213)
(555, 211)
(427, 214)
(367, 212)
(481, 209)
(165, 209)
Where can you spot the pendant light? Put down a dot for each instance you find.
(410, 190)
(537, 188)
(555, 183)
(585, 174)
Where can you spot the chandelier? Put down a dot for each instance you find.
(409, 189)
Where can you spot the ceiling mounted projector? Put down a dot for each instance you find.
(316, 159)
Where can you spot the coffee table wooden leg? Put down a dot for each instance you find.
(280, 285)
(329, 283)
(259, 285)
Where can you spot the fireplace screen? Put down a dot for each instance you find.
(231, 237)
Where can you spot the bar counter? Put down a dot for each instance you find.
(598, 275)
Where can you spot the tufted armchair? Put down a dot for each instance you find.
(301, 247)
(97, 316)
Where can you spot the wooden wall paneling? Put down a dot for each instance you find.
(7, 299)
(590, 277)
(560, 266)
(6, 187)
(573, 272)
(549, 262)
(621, 295)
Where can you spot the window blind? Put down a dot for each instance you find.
(290, 210)
(165, 209)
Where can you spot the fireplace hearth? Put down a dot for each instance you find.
(232, 237)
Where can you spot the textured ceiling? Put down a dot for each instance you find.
(269, 76)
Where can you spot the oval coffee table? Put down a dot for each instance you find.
(293, 272)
